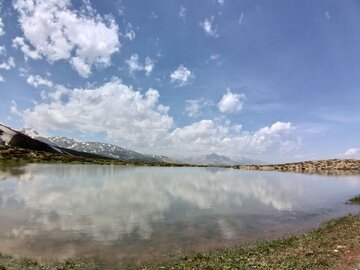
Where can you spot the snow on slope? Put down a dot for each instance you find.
(104, 149)
(6, 134)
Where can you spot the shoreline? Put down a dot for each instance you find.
(333, 245)
(328, 167)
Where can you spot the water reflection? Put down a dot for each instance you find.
(127, 212)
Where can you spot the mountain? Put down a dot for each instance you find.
(15, 138)
(103, 149)
(216, 159)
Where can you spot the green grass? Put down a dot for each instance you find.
(324, 248)
(355, 200)
(20, 155)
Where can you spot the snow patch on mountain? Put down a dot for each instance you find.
(6, 134)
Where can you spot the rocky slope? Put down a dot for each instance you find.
(329, 165)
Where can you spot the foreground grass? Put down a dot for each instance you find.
(334, 245)
(329, 247)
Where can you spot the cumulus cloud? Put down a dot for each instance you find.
(2, 50)
(182, 13)
(327, 15)
(241, 18)
(135, 65)
(129, 32)
(207, 26)
(9, 64)
(52, 30)
(231, 102)
(214, 57)
(181, 76)
(194, 107)
(37, 81)
(208, 136)
(138, 121)
(352, 152)
(125, 115)
(2, 31)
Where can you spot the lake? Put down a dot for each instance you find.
(139, 214)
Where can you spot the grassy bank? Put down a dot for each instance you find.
(335, 245)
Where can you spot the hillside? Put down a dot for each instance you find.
(315, 166)
(98, 148)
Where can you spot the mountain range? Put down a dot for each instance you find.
(216, 159)
(31, 139)
(97, 148)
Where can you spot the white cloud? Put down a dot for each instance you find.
(129, 32)
(37, 80)
(181, 76)
(153, 16)
(2, 50)
(52, 30)
(135, 65)
(352, 152)
(2, 31)
(214, 57)
(221, 2)
(208, 136)
(327, 15)
(125, 115)
(182, 12)
(19, 42)
(137, 121)
(241, 18)
(1, 78)
(231, 103)
(207, 26)
(193, 107)
(8, 65)
(149, 66)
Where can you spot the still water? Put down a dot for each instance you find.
(137, 214)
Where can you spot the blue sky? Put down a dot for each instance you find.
(273, 80)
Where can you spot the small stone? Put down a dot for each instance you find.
(309, 253)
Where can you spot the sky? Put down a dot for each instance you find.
(271, 80)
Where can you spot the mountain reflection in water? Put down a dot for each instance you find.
(146, 213)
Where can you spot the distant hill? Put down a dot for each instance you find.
(103, 149)
(216, 159)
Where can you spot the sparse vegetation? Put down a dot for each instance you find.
(335, 245)
(355, 200)
(330, 166)
(20, 155)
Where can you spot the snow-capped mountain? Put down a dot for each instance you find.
(216, 159)
(104, 149)
(13, 138)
